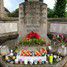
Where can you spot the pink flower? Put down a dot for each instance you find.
(61, 35)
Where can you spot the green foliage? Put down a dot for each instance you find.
(57, 12)
(27, 42)
(14, 13)
(6, 10)
(50, 13)
(33, 42)
(1, 65)
(59, 9)
(66, 14)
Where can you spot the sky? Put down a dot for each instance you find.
(11, 5)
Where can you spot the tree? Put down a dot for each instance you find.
(59, 9)
(50, 13)
(6, 10)
(14, 13)
(66, 14)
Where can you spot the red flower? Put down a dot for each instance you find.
(33, 35)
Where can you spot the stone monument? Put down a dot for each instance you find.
(33, 17)
(1, 9)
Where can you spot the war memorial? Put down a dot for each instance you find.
(34, 47)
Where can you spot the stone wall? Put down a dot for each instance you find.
(58, 27)
(8, 27)
(53, 26)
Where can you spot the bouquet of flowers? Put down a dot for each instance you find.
(58, 38)
(32, 39)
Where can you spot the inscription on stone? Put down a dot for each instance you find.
(32, 27)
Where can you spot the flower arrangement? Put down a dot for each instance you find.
(32, 39)
(59, 38)
(41, 56)
(41, 52)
